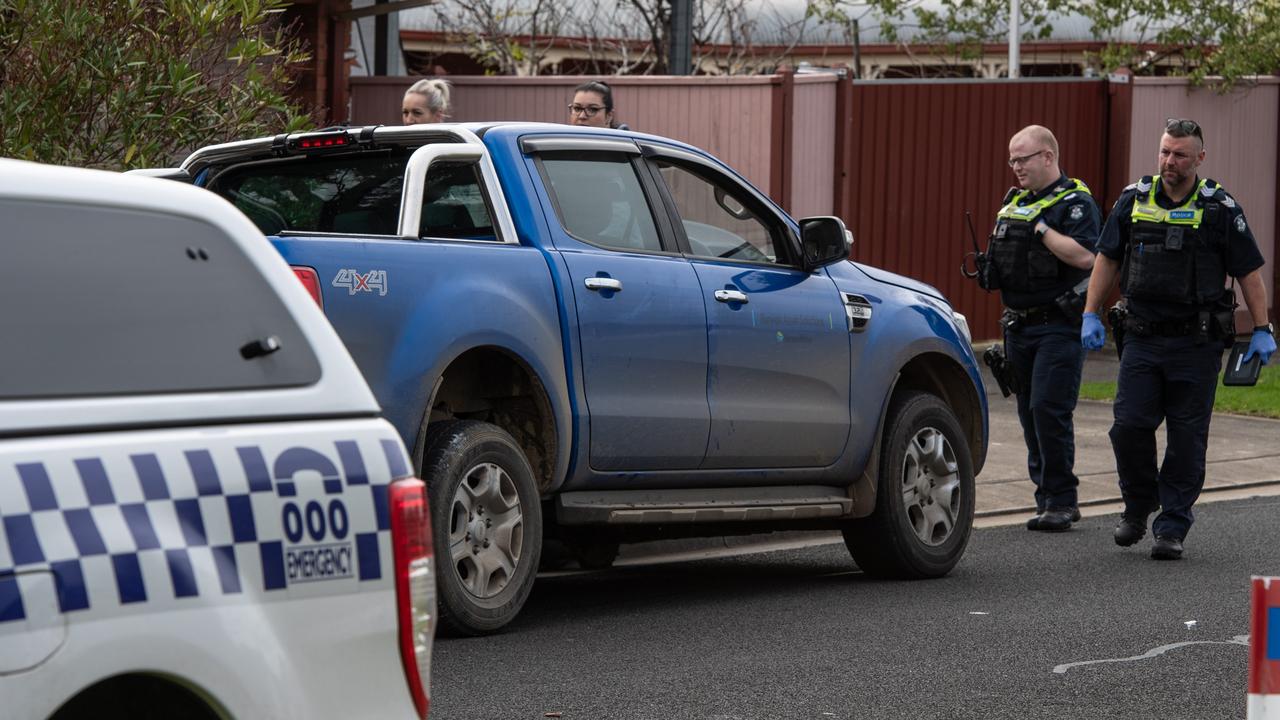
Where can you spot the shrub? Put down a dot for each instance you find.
(119, 84)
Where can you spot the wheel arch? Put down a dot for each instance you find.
(494, 384)
(937, 374)
(166, 695)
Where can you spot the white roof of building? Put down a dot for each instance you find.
(771, 21)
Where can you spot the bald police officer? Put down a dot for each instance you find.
(1172, 239)
(1041, 252)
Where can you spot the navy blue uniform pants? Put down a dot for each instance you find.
(1173, 380)
(1047, 360)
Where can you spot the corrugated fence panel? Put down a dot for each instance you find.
(1240, 146)
(728, 117)
(924, 152)
(813, 145)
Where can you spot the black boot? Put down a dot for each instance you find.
(1058, 519)
(1034, 522)
(1131, 529)
(1166, 548)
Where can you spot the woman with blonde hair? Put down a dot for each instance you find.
(426, 101)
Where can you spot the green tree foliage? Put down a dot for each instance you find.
(119, 84)
(1227, 39)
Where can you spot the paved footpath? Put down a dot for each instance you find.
(1243, 451)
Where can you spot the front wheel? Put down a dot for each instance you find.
(486, 524)
(924, 495)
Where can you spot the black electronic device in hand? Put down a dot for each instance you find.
(1239, 372)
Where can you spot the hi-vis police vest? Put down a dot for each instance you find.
(1176, 256)
(1029, 274)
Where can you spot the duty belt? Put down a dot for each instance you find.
(1160, 328)
(1040, 315)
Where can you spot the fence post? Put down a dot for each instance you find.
(843, 121)
(783, 102)
(1119, 122)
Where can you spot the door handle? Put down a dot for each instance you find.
(599, 283)
(727, 296)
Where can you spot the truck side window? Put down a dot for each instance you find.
(352, 196)
(602, 202)
(718, 222)
(454, 205)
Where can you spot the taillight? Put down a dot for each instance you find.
(415, 584)
(310, 280)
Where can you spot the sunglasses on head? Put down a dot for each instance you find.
(1179, 127)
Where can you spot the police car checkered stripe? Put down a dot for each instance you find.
(174, 525)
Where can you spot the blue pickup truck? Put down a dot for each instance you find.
(594, 337)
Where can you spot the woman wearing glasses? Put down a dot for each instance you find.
(593, 106)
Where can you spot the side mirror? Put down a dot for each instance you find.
(824, 240)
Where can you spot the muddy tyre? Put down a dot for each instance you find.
(924, 496)
(486, 525)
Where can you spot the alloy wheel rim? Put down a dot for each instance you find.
(486, 530)
(931, 486)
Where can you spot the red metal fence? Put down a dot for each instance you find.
(923, 153)
(901, 161)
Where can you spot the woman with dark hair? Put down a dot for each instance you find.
(593, 106)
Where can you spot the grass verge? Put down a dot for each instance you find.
(1262, 400)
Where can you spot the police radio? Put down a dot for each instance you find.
(983, 270)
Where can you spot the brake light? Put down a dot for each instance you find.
(310, 280)
(415, 584)
(322, 141)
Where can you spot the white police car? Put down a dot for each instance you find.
(201, 513)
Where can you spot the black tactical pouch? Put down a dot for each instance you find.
(1011, 321)
(1157, 272)
(1223, 320)
(1071, 302)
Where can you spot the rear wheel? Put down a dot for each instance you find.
(924, 496)
(486, 524)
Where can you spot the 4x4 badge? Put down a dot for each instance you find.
(355, 281)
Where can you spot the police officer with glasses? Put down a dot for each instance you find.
(1039, 258)
(1172, 240)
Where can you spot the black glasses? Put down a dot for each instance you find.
(584, 110)
(1023, 160)
(1179, 127)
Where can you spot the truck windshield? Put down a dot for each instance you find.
(355, 195)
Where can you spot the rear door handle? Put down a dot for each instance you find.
(599, 283)
(727, 296)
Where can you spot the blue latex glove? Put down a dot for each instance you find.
(1092, 334)
(1261, 344)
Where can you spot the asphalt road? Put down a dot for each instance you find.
(803, 634)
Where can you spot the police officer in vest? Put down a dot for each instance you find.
(1041, 254)
(1172, 239)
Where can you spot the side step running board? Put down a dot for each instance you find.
(644, 507)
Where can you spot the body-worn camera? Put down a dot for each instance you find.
(1001, 369)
